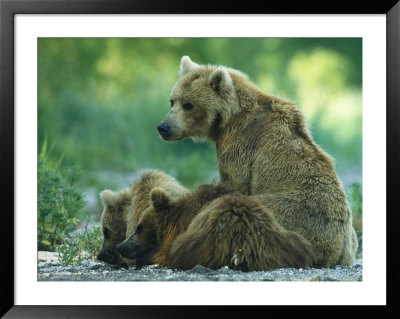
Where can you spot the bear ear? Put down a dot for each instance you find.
(221, 81)
(108, 197)
(159, 199)
(187, 65)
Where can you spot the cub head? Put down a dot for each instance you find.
(149, 235)
(202, 99)
(113, 223)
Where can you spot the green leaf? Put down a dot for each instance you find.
(45, 242)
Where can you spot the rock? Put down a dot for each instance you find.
(85, 262)
(47, 256)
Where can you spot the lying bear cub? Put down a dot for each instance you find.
(123, 209)
(214, 227)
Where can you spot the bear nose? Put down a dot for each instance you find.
(163, 128)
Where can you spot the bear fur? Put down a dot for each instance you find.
(144, 243)
(113, 221)
(214, 227)
(265, 150)
(123, 209)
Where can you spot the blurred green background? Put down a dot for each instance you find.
(100, 100)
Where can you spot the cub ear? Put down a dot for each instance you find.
(187, 65)
(221, 81)
(108, 197)
(159, 199)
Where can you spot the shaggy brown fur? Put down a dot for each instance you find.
(147, 242)
(214, 227)
(122, 211)
(237, 231)
(141, 190)
(264, 149)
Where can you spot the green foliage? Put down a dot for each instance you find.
(355, 197)
(86, 245)
(60, 204)
(69, 252)
(191, 169)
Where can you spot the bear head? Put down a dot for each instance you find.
(143, 244)
(113, 223)
(202, 100)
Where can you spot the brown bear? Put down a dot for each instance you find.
(143, 251)
(214, 227)
(123, 209)
(264, 149)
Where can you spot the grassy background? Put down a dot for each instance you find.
(100, 100)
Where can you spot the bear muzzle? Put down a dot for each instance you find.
(109, 257)
(164, 130)
(129, 248)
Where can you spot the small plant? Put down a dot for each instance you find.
(69, 252)
(85, 245)
(60, 204)
(355, 197)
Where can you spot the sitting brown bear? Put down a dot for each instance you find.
(265, 150)
(214, 227)
(122, 211)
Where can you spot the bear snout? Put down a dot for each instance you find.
(164, 129)
(108, 257)
(128, 249)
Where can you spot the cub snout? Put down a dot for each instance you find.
(129, 248)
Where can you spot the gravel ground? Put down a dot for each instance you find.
(51, 270)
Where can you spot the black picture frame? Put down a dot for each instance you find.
(8, 10)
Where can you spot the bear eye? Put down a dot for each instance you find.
(139, 228)
(172, 103)
(187, 106)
